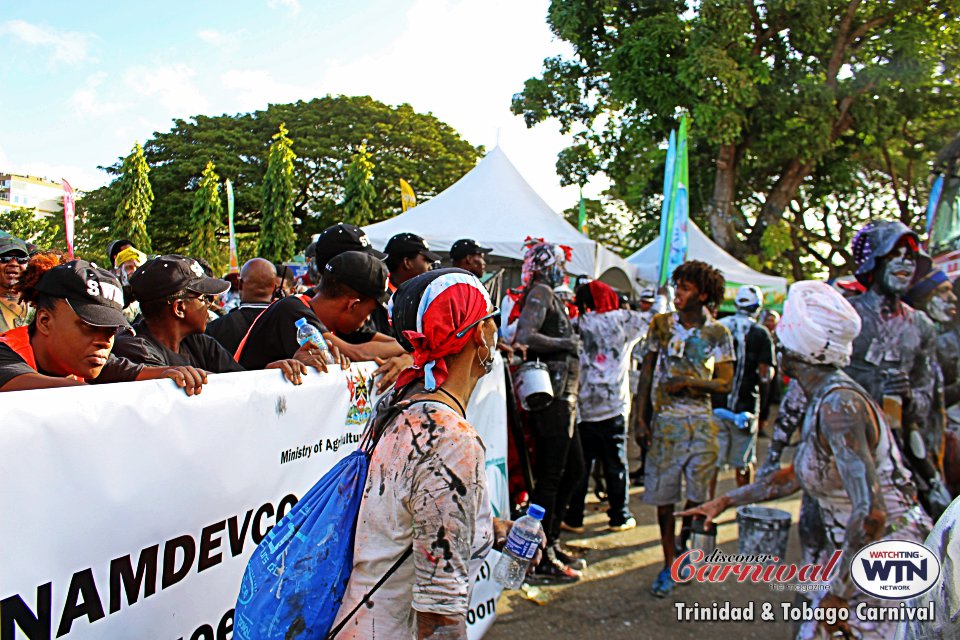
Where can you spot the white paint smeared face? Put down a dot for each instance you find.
(942, 306)
(897, 270)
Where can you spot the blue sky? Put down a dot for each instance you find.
(83, 80)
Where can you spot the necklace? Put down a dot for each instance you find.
(454, 398)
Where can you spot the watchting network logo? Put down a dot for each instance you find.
(895, 569)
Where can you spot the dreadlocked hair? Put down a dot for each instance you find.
(39, 264)
(705, 278)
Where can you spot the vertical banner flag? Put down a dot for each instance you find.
(673, 228)
(666, 224)
(408, 199)
(935, 191)
(234, 264)
(582, 219)
(69, 199)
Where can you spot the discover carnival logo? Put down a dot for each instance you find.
(895, 569)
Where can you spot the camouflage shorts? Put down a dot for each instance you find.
(683, 449)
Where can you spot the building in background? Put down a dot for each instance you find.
(40, 194)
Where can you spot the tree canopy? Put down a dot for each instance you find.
(800, 111)
(277, 238)
(23, 223)
(135, 200)
(206, 221)
(325, 133)
(359, 194)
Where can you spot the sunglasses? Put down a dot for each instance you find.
(495, 314)
(9, 259)
(206, 299)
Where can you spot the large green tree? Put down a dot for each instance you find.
(359, 194)
(327, 131)
(24, 223)
(206, 220)
(790, 101)
(135, 200)
(277, 238)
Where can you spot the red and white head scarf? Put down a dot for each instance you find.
(448, 304)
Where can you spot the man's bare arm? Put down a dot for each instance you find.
(531, 320)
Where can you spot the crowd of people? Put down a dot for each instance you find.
(870, 370)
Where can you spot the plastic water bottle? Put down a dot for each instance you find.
(306, 332)
(522, 544)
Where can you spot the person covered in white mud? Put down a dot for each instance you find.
(738, 412)
(932, 294)
(847, 459)
(894, 357)
(426, 494)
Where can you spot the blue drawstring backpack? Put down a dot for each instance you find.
(294, 582)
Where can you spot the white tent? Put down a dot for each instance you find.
(495, 206)
(700, 247)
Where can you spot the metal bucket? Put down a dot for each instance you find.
(533, 386)
(763, 530)
(703, 537)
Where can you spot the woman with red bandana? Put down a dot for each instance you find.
(607, 334)
(426, 488)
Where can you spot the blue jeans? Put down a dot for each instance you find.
(605, 441)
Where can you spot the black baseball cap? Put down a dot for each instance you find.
(343, 237)
(363, 272)
(466, 247)
(407, 243)
(94, 294)
(166, 275)
(9, 244)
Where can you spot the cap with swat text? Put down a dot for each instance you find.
(94, 294)
(341, 237)
(167, 275)
(407, 243)
(466, 247)
(363, 273)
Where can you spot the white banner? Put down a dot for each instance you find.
(130, 510)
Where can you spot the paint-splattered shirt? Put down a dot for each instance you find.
(693, 353)
(607, 339)
(427, 488)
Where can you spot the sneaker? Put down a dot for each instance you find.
(663, 584)
(569, 558)
(551, 571)
(626, 525)
(572, 529)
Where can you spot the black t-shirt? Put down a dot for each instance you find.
(274, 334)
(197, 350)
(365, 333)
(116, 369)
(759, 350)
(230, 329)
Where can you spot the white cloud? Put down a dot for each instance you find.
(212, 36)
(466, 77)
(256, 88)
(86, 100)
(63, 46)
(171, 85)
(292, 5)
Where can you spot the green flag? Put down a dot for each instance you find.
(582, 219)
(234, 262)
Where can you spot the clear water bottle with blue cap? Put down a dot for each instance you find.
(306, 332)
(520, 548)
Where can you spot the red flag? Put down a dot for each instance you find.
(68, 202)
